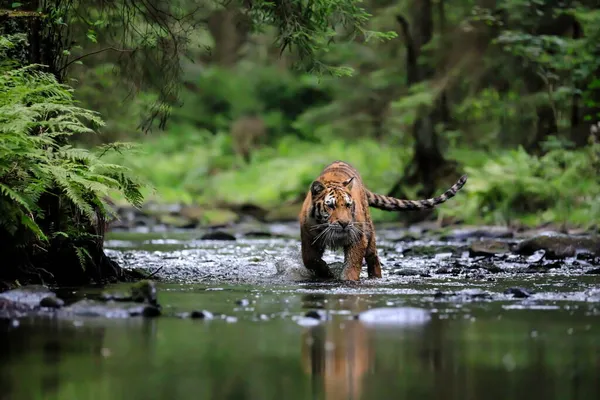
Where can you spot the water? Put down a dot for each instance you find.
(444, 336)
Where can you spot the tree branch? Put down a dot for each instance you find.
(92, 53)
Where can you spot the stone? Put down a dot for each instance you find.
(144, 291)
(217, 235)
(488, 248)
(203, 314)
(52, 302)
(557, 246)
(519, 293)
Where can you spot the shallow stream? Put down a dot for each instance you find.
(441, 324)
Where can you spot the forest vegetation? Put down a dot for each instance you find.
(230, 103)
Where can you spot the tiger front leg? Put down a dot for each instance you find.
(312, 259)
(373, 263)
(353, 257)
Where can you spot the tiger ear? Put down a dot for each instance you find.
(316, 187)
(348, 183)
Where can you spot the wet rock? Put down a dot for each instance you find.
(285, 212)
(219, 217)
(144, 291)
(316, 314)
(488, 232)
(407, 271)
(432, 250)
(519, 293)
(151, 312)
(91, 308)
(52, 302)
(395, 316)
(177, 221)
(595, 271)
(217, 235)
(243, 302)
(488, 248)
(96, 309)
(203, 314)
(258, 234)
(118, 296)
(490, 267)
(10, 309)
(559, 246)
(28, 296)
(192, 213)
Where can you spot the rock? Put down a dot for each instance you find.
(217, 235)
(151, 312)
(488, 248)
(315, 314)
(10, 309)
(286, 212)
(29, 296)
(595, 271)
(203, 314)
(519, 293)
(144, 291)
(559, 246)
(431, 250)
(490, 267)
(118, 296)
(219, 217)
(395, 316)
(488, 232)
(52, 302)
(91, 308)
(193, 213)
(177, 221)
(242, 302)
(407, 271)
(258, 234)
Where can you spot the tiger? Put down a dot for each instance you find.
(335, 214)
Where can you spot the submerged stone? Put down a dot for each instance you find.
(203, 314)
(396, 316)
(519, 293)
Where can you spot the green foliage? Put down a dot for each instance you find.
(309, 27)
(509, 186)
(202, 168)
(37, 116)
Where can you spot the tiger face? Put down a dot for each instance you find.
(334, 212)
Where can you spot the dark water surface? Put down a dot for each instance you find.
(450, 336)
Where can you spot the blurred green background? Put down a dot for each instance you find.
(507, 92)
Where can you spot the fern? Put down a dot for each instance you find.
(37, 116)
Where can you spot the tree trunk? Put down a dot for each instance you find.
(229, 29)
(427, 159)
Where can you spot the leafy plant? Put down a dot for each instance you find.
(49, 189)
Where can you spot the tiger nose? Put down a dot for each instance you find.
(343, 224)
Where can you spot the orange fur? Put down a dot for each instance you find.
(335, 214)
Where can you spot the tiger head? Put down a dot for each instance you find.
(334, 211)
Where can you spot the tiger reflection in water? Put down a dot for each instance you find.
(337, 355)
